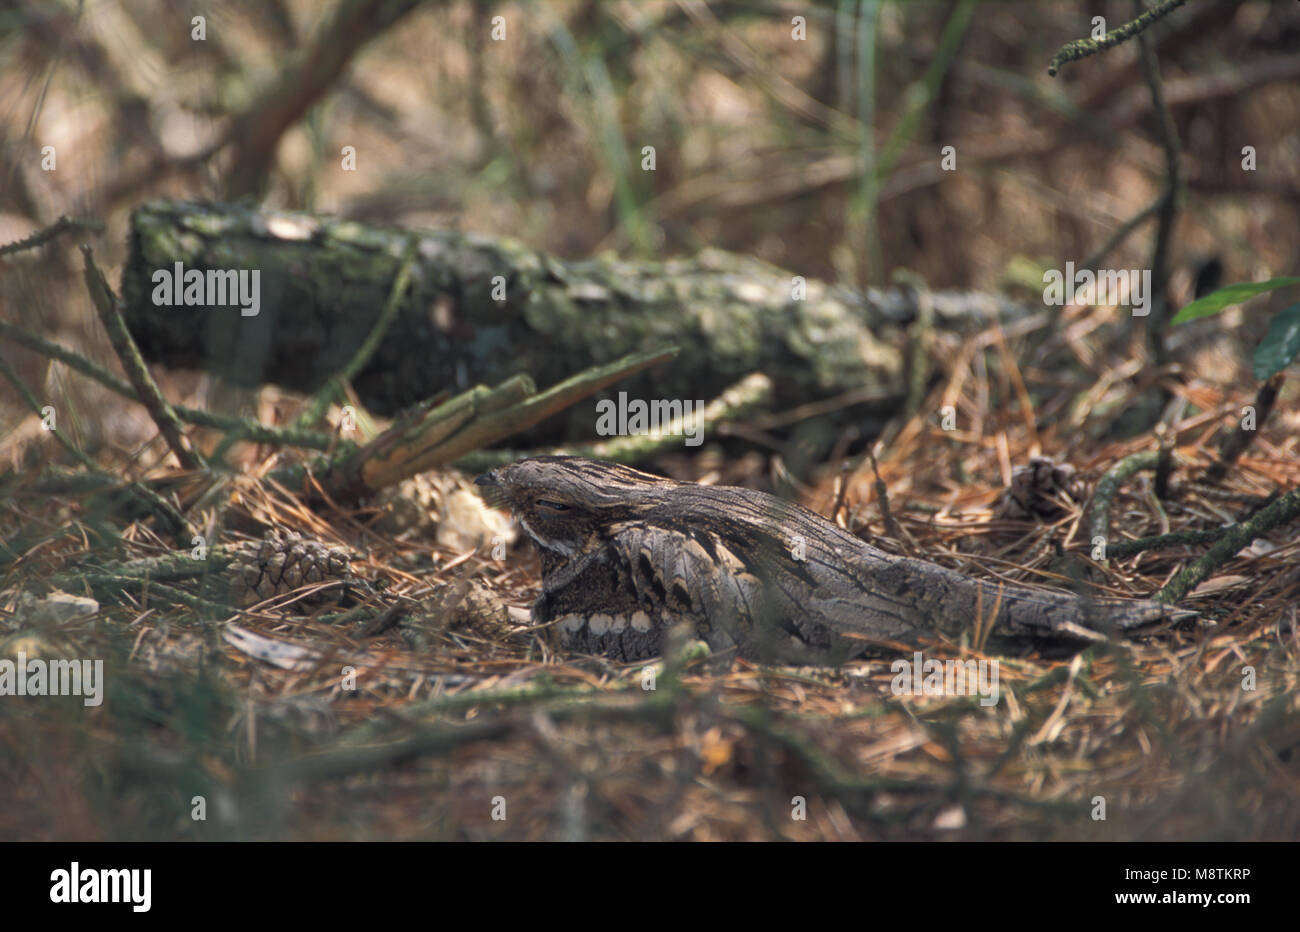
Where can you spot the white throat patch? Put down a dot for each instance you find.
(567, 549)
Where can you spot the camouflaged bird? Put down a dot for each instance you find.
(626, 555)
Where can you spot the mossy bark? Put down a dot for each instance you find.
(324, 281)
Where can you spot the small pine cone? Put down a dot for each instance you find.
(282, 562)
(465, 605)
(483, 612)
(1039, 489)
(411, 505)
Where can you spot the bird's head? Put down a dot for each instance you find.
(561, 501)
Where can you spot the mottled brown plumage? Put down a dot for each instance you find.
(626, 555)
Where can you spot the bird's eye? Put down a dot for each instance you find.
(550, 505)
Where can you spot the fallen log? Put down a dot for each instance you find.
(481, 309)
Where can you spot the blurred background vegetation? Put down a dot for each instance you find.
(820, 155)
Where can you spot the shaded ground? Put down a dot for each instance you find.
(809, 155)
(455, 714)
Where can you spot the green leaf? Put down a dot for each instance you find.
(1280, 345)
(1210, 304)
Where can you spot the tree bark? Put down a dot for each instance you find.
(324, 282)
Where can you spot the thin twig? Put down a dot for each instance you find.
(882, 496)
(750, 393)
(1238, 440)
(1164, 460)
(841, 490)
(255, 133)
(146, 389)
(1167, 133)
(1082, 48)
(249, 429)
(334, 387)
(1234, 538)
(1108, 485)
(1127, 548)
(64, 224)
(1121, 234)
(168, 517)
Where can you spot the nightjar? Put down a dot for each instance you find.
(626, 555)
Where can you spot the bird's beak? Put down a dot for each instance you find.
(488, 478)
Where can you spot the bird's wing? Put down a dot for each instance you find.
(823, 602)
(833, 584)
(759, 601)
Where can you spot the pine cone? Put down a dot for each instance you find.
(1040, 489)
(282, 562)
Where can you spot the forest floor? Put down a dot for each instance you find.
(292, 720)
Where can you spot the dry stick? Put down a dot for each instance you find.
(1236, 442)
(1168, 136)
(1234, 538)
(303, 80)
(751, 392)
(111, 586)
(347, 757)
(64, 224)
(1127, 548)
(457, 704)
(882, 496)
(168, 517)
(167, 567)
(252, 430)
(406, 446)
(423, 427)
(1082, 48)
(1164, 460)
(460, 427)
(361, 748)
(1122, 233)
(527, 412)
(334, 387)
(147, 390)
(841, 489)
(1108, 485)
(992, 619)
